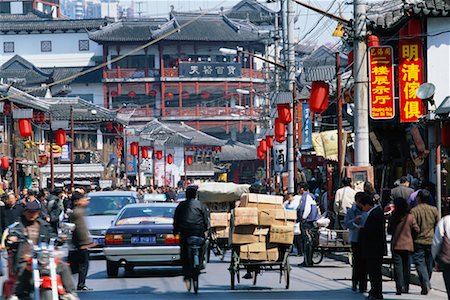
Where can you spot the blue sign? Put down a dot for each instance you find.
(209, 69)
(306, 127)
(131, 164)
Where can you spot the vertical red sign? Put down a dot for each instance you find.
(382, 104)
(410, 78)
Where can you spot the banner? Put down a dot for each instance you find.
(382, 104)
(209, 69)
(279, 157)
(326, 145)
(410, 78)
(306, 127)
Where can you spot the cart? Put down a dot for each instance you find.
(256, 268)
(218, 241)
(334, 241)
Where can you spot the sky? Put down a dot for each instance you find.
(309, 26)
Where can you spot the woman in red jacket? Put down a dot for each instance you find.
(402, 226)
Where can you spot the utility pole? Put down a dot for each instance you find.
(339, 115)
(361, 85)
(291, 85)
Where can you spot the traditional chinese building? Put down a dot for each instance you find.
(179, 74)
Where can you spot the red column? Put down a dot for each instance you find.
(163, 91)
(105, 96)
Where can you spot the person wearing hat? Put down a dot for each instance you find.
(32, 227)
(81, 239)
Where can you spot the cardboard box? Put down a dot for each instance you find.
(222, 232)
(244, 235)
(272, 254)
(263, 205)
(247, 198)
(221, 219)
(245, 216)
(254, 251)
(268, 217)
(281, 234)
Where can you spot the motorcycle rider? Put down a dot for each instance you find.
(32, 227)
(190, 219)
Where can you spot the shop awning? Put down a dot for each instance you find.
(85, 171)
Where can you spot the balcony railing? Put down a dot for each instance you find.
(197, 111)
(167, 72)
(139, 111)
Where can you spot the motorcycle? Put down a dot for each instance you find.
(43, 262)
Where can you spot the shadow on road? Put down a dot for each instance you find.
(141, 273)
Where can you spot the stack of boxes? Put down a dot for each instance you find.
(220, 223)
(261, 226)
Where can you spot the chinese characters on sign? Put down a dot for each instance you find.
(209, 69)
(279, 157)
(382, 104)
(410, 78)
(307, 127)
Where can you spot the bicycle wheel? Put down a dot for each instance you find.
(317, 257)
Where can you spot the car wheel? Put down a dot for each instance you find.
(129, 268)
(112, 269)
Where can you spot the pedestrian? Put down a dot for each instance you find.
(13, 209)
(81, 239)
(402, 190)
(373, 244)
(427, 218)
(343, 200)
(307, 215)
(369, 189)
(55, 208)
(402, 226)
(354, 221)
(440, 250)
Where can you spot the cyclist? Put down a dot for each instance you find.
(190, 219)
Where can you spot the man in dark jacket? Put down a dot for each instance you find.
(32, 227)
(13, 209)
(190, 219)
(81, 239)
(373, 244)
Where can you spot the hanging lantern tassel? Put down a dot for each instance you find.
(169, 159)
(25, 128)
(189, 160)
(5, 162)
(60, 137)
(134, 149)
(144, 152)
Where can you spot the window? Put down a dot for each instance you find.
(5, 7)
(8, 47)
(83, 45)
(46, 46)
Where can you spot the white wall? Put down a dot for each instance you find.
(96, 89)
(65, 51)
(438, 56)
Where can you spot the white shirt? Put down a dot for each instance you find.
(343, 200)
(294, 203)
(443, 226)
(309, 201)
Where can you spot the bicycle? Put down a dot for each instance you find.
(195, 247)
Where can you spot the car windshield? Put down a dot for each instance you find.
(107, 205)
(146, 215)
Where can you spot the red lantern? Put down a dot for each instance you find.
(134, 149)
(284, 113)
(144, 152)
(60, 137)
(185, 95)
(259, 153)
(168, 96)
(269, 141)
(131, 94)
(263, 146)
(109, 126)
(169, 159)
(318, 101)
(152, 93)
(119, 129)
(6, 108)
(373, 41)
(25, 128)
(445, 135)
(5, 162)
(205, 95)
(280, 131)
(159, 155)
(38, 117)
(114, 94)
(189, 160)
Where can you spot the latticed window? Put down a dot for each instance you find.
(83, 45)
(46, 46)
(8, 47)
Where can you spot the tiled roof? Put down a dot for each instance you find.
(127, 31)
(233, 151)
(388, 14)
(252, 10)
(198, 137)
(208, 28)
(19, 68)
(35, 22)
